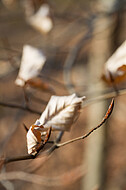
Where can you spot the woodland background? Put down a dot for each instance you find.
(100, 160)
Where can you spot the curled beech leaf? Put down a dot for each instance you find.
(41, 20)
(34, 137)
(115, 67)
(31, 64)
(60, 113)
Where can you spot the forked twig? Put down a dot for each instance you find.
(30, 156)
(57, 144)
(107, 115)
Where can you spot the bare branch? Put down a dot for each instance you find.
(57, 144)
(15, 106)
(17, 158)
(103, 96)
(30, 156)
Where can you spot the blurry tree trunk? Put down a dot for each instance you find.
(94, 153)
(119, 35)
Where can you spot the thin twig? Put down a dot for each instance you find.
(30, 156)
(58, 139)
(24, 157)
(105, 96)
(26, 108)
(87, 102)
(108, 113)
(17, 158)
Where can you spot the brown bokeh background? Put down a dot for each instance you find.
(105, 149)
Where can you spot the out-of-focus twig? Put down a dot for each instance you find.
(87, 102)
(73, 54)
(61, 85)
(15, 106)
(61, 180)
(6, 183)
(104, 96)
(10, 49)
